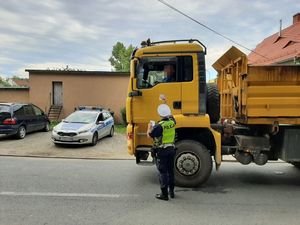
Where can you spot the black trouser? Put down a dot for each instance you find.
(165, 166)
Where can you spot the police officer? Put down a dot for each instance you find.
(163, 134)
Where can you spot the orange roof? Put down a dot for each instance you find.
(278, 48)
(21, 82)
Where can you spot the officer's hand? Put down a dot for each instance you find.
(149, 129)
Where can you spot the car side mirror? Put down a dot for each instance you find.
(100, 122)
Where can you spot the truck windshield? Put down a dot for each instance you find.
(151, 71)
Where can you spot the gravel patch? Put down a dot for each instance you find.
(39, 144)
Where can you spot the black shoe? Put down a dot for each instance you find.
(172, 195)
(162, 197)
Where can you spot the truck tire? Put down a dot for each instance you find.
(213, 102)
(193, 163)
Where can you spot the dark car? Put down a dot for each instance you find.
(19, 119)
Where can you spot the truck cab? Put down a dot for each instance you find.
(174, 71)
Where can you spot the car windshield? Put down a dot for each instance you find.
(82, 117)
(4, 109)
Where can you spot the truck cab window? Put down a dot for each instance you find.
(152, 71)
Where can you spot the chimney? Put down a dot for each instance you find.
(296, 18)
(280, 28)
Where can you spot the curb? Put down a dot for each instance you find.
(61, 157)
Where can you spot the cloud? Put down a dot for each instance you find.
(75, 32)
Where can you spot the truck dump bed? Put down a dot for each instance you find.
(257, 94)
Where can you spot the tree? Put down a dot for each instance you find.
(120, 57)
(4, 83)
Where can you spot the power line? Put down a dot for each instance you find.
(212, 30)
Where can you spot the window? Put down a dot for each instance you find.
(155, 70)
(186, 68)
(100, 118)
(106, 116)
(28, 110)
(37, 111)
(82, 117)
(4, 109)
(19, 110)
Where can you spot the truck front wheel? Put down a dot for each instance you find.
(193, 163)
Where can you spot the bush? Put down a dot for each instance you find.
(123, 114)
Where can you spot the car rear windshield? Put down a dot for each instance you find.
(4, 109)
(82, 117)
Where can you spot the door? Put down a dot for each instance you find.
(40, 120)
(107, 122)
(100, 125)
(57, 93)
(167, 77)
(163, 76)
(30, 120)
(152, 80)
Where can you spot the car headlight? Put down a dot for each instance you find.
(84, 131)
(54, 130)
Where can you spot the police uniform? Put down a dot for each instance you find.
(164, 136)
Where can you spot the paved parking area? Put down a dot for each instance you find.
(39, 144)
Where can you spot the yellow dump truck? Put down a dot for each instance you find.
(255, 115)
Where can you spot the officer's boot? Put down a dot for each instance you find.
(171, 192)
(163, 195)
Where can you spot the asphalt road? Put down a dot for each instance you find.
(60, 191)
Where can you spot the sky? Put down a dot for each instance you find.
(52, 34)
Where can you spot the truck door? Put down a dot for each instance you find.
(155, 77)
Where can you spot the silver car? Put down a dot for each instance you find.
(84, 126)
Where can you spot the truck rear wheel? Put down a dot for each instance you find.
(193, 164)
(213, 102)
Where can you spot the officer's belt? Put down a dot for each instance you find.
(166, 145)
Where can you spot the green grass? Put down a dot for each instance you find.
(120, 128)
(53, 124)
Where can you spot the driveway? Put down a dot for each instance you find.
(40, 145)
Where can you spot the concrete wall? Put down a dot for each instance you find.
(20, 95)
(80, 88)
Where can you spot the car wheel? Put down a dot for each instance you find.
(21, 132)
(95, 139)
(47, 127)
(112, 130)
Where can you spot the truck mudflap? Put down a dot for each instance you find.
(218, 152)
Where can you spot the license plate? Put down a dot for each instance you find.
(65, 138)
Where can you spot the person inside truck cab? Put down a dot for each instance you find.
(170, 74)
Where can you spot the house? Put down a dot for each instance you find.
(20, 82)
(280, 48)
(63, 90)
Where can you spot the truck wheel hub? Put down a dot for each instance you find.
(187, 164)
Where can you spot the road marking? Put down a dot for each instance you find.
(56, 194)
